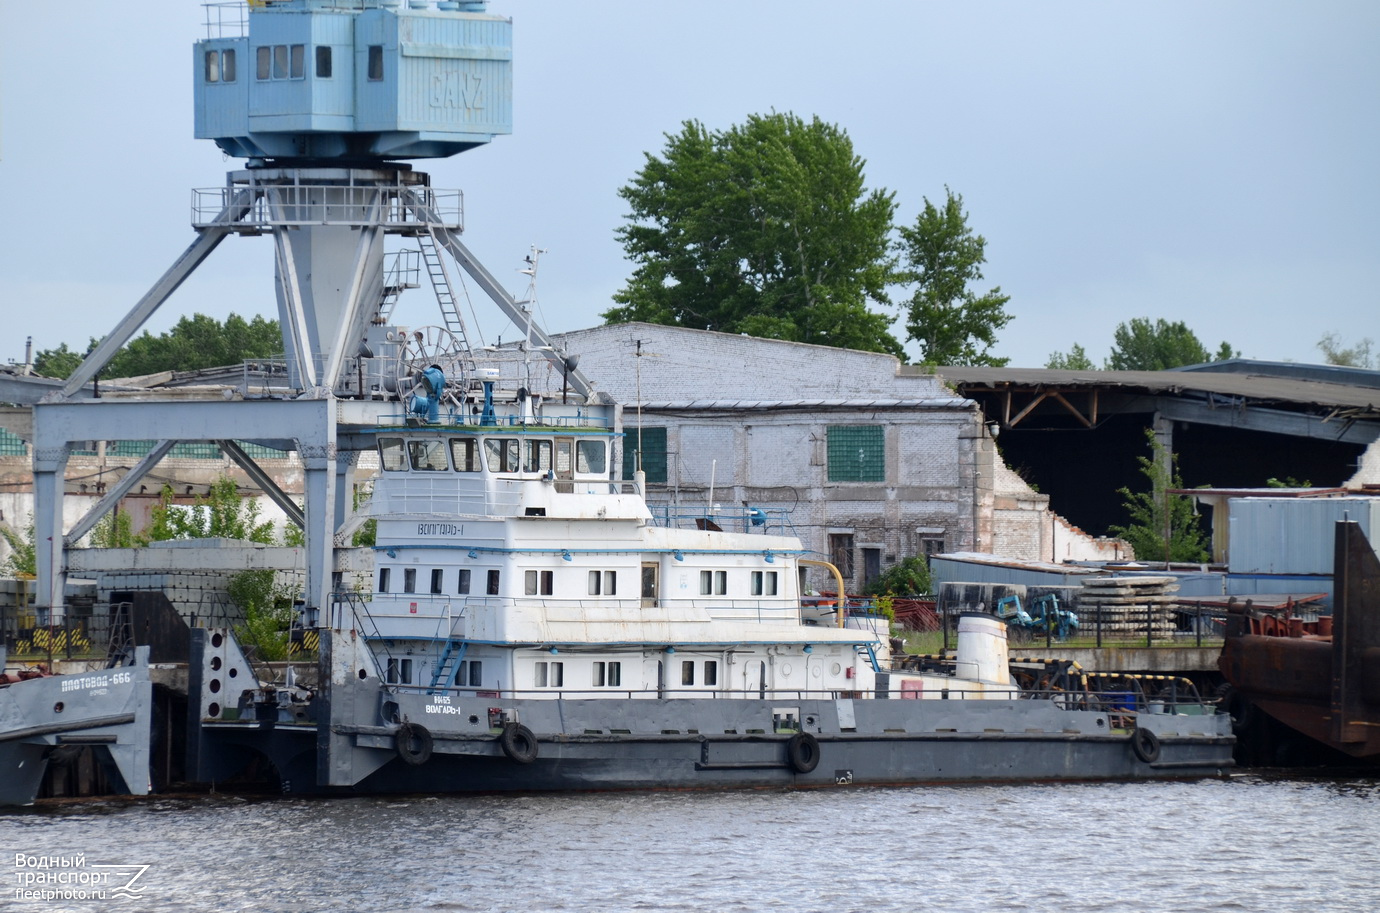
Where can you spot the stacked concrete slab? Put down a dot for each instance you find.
(1128, 605)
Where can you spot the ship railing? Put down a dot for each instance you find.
(459, 418)
(1151, 625)
(770, 521)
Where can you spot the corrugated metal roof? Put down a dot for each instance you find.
(1258, 387)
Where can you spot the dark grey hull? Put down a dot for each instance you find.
(728, 744)
(109, 712)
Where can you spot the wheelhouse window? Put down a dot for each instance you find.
(687, 672)
(323, 61)
(608, 675)
(764, 583)
(493, 583)
(391, 454)
(537, 456)
(437, 579)
(539, 583)
(464, 453)
(470, 673)
(409, 580)
(591, 457)
(384, 574)
(711, 672)
(464, 585)
(375, 62)
(428, 455)
(501, 454)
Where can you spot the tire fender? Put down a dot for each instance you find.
(518, 743)
(1146, 745)
(414, 744)
(802, 751)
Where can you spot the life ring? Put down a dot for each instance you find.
(1146, 745)
(518, 743)
(414, 744)
(803, 752)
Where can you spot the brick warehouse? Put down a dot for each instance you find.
(877, 461)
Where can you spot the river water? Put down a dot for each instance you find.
(1249, 843)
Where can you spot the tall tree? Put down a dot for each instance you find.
(1144, 346)
(1156, 513)
(942, 255)
(1335, 352)
(765, 228)
(1074, 360)
(194, 342)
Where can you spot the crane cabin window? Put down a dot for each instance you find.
(280, 61)
(220, 66)
(391, 454)
(375, 62)
(323, 61)
(428, 455)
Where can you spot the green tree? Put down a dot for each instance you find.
(942, 256)
(1156, 511)
(22, 561)
(1144, 346)
(221, 514)
(194, 342)
(765, 228)
(1075, 360)
(114, 530)
(1335, 352)
(910, 577)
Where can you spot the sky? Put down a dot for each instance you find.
(1209, 162)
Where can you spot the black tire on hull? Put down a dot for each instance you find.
(518, 743)
(1146, 745)
(414, 744)
(803, 752)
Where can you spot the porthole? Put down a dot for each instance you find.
(217, 639)
(215, 664)
(215, 686)
(234, 673)
(57, 708)
(835, 669)
(213, 710)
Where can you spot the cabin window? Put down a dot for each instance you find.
(384, 574)
(227, 65)
(264, 57)
(280, 61)
(608, 675)
(428, 456)
(652, 442)
(493, 583)
(857, 453)
(470, 674)
(464, 586)
(212, 66)
(538, 458)
(713, 583)
(687, 672)
(375, 62)
(539, 583)
(399, 671)
(391, 455)
(409, 580)
(299, 61)
(603, 583)
(711, 672)
(550, 675)
(323, 61)
(501, 454)
(841, 552)
(464, 452)
(764, 583)
(437, 578)
(591, 457)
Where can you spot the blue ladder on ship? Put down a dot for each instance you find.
(450, 660)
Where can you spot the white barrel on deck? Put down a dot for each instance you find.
(982, 653)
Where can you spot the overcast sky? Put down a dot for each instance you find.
(1211, 162)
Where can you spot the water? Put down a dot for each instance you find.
(1250, 843)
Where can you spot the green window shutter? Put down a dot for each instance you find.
(653, 442)
(857, 453)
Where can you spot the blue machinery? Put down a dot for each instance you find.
(322, 98)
